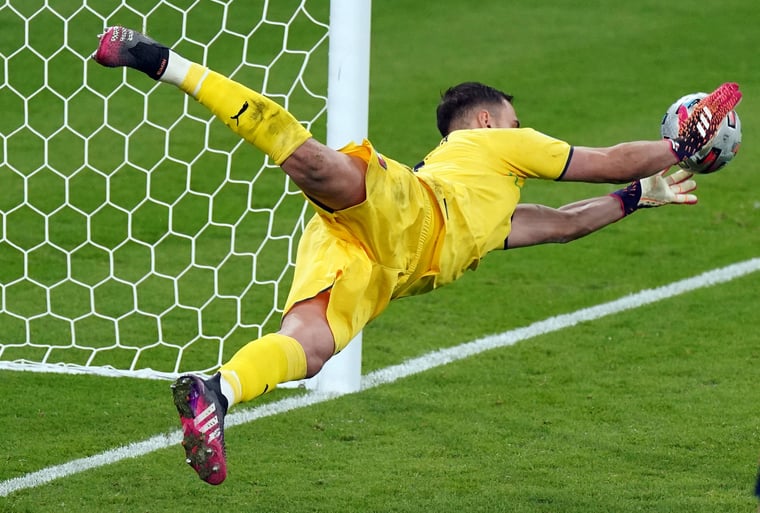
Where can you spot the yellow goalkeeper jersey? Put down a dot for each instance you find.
(418, 230)
(476, 176)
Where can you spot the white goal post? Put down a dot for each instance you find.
(347, 120)
(138, 236)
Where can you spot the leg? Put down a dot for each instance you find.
(333, 179)
(305, 342)
(307, 323)
(298, 350)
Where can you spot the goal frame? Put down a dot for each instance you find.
(347, 120)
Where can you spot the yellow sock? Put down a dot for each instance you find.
(252, 116)
(259, 366)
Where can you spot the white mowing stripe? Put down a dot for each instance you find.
(395, 372)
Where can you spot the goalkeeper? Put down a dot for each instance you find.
(383, 230)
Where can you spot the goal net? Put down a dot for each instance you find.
(138, 235)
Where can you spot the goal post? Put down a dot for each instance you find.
(347, 120)
(138, 236)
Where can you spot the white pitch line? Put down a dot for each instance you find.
(395, 372)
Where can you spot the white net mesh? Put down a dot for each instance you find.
(139, 236)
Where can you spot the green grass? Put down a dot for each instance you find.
(649, 410)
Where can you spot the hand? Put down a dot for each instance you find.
(697, 129)
(658, 190)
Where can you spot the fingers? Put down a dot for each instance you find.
(715, 106)
(680, 183)
(679, 176)
(724, 98)
(684, 187)
(727, 95)
(685, 199)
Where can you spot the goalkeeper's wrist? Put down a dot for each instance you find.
(680, 149)
(629, 197)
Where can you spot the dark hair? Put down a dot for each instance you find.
(458, 100)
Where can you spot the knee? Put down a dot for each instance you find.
(310, 164)
(330, 177)
(306, 322)
(316, 349)
(316, 340)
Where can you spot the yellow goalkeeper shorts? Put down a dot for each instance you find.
(372, 252)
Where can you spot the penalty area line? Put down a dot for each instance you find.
(395, 372)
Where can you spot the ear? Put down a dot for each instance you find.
(484, 119)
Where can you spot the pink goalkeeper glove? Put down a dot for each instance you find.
(697, 130)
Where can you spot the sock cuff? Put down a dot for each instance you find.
(259, 366)
(193, 79)
(232, 379)
(294, 353)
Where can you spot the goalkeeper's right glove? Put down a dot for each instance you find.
(696, 130)
(658, 190)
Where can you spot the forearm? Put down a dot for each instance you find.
(539, 224)
(621, 163)
(640, 159)
(589, 215)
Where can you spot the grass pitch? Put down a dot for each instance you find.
(649, 410)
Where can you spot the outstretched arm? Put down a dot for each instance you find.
(538, 224)
(620, 163)
(640, 159)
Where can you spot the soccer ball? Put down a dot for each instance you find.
(723, 147)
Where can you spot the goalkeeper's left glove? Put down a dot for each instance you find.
(658, 190)
(696, 130)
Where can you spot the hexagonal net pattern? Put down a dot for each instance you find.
(140, 236)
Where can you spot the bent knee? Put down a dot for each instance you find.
(307, 323)
(330, 177)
